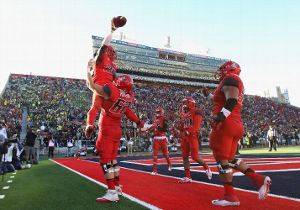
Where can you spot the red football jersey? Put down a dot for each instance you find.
(188, 120)
(220, 99)
(160, 122)
(113, 108)
(104, 71)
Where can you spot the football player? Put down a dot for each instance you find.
(227, 130)
(160, 126)
(117, 100)
(104, 72)
(190, 122)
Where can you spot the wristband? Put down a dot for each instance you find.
(107, 40)
(226, 112)
(210, 96)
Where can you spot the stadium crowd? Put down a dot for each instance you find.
(59, 106)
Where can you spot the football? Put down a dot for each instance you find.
(120, 21)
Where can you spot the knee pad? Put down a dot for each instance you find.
(107, 168)
(223, 169)
(116, 168)
(235, 162)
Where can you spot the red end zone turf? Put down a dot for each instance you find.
(165, 193)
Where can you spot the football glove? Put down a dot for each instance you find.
(205, 92)
(113, 27)
(218, 120)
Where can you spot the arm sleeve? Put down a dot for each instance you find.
(196, 125)
(131, 115)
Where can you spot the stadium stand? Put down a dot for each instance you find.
(162, 77)
(61, 104)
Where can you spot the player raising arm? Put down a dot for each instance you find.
(117, 99)
(104, 72)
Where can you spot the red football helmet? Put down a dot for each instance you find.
(159, 112)
(188, 103)
(112, 54)
(124, 82)
(227, 68)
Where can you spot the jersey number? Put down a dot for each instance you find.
(120, 106)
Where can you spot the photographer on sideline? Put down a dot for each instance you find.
(3, 136)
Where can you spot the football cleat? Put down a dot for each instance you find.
(225, 203)
(208, 173)
(170, 168)
(119, 189)
(185, 180)
(154, 172)
(264, 190)
(110, 196)
(228, 200)
(89, 130)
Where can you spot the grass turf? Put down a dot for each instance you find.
(50, 186)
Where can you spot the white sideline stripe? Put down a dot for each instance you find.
(5, 187)
(236, 188)
(281, 170)
(12, 177)
(9, 181)
(205, 183)
(2, 196)
(103, 185)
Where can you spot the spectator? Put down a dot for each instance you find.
(70, 144)
(272, 138)
(39, 141)
(129, 146)
(29, 145)
(51, 145)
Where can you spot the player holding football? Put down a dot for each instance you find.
(190, 122)
(117, 100)
(160, 126)
(227, 130)
(104, 72)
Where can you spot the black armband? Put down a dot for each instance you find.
(230, 104)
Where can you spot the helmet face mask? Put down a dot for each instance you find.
(124, 82)
(112, 54)
(188, 103)
(226, 69)
(159, 112)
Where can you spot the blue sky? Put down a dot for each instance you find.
(53, 37)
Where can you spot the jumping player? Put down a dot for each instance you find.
(117, 100)
(160, 126)
(190, 122)
(227, 130)
(104, 73)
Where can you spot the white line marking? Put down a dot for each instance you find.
(2, 196)
(5, 187)
(103, 185)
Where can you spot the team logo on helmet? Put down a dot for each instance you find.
(124, 82)
(188, 103)
(227, 68)
(159, 112)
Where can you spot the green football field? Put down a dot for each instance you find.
(50, 186)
